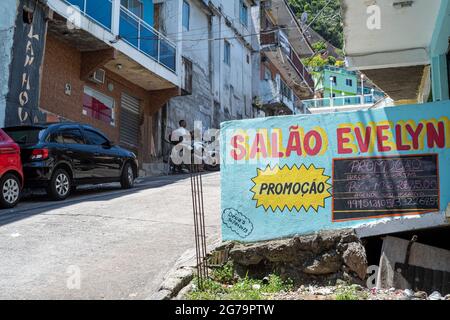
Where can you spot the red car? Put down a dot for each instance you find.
(11, 174)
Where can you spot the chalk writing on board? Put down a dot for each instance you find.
(365, 188)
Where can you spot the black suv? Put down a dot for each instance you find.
(61, 156)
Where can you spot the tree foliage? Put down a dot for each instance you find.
(328, 24)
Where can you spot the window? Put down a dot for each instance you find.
(72, 136)
(25, 136)
(244, 13)
(98, 106)
(227, 53)
(56, 137)
(267, 73)
(285, 90)
(333, 80)
(95, 138)
(349, 82)
(186, 15)
(135, 6)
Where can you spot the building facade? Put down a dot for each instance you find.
(214, 39)
(403, 48)
(336, 82)
(135, 68)
(408, 59)
(97, 62)
(281, 81)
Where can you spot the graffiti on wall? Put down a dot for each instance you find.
(300, 174)
(28, 50)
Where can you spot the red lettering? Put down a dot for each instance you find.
(415, 134)
(275, 151)
(312, 151)
(436, 137)
(341, 140)
(399, 140)
(259, 146)
(294, 144)
(381, 138)
(236, 143)
(363, 144)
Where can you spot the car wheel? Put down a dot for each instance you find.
(60, 185)
(127, 179)
(9, 191)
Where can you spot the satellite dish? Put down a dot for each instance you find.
(304, 18)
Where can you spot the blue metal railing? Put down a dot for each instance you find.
(146, 39)
(98, 10)
(132, 30)
(339, 101)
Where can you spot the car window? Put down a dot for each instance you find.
(25, 136)
(72, 136)
(95, 138)
(56, 137)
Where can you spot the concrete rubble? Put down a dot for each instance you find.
(332, 292)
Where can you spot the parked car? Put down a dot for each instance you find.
(61, 156)
(11, 174)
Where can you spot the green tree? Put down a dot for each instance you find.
(328, 24)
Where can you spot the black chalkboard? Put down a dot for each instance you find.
(365, 188)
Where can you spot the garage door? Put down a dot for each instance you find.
(129, 120)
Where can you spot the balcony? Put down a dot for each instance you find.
(276, 46)
(277, 98)
(132, 29)
(337, 104)
(146, 39)
(282, 14)
(98, 10)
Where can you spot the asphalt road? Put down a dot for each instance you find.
(103, 242)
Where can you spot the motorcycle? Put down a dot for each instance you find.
(202, 154)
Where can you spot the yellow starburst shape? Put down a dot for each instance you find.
(291, 188)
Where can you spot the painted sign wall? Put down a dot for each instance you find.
(28, 51)
(284, 176)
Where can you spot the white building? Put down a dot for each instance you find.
(214, 40)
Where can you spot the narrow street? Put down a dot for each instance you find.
(122, 243)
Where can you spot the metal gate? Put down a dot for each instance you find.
(129, 120)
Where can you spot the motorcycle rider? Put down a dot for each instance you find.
(180, 133)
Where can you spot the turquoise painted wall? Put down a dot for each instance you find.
(322, 83)
(341, 76)
(438, 52)
(394, 173)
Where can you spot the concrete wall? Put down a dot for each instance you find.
(233, 88)
(8, 11)
(256, 57)
(194, 46)
(219, 91)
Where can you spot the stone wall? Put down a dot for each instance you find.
(320, 258)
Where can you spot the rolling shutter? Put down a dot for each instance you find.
(129, 120)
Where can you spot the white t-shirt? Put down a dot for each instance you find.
(180, 132)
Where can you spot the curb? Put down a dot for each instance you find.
(178, 279)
